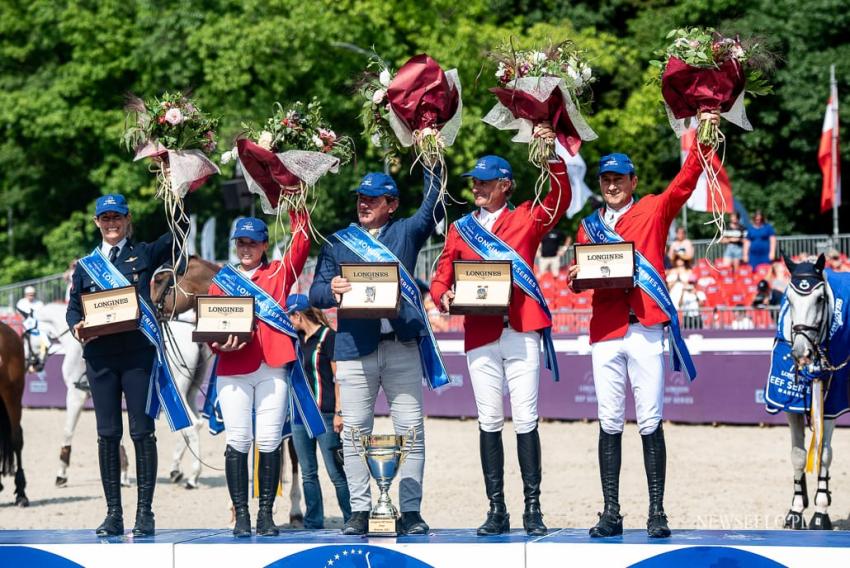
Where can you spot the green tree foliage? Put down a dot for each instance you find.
(66, 65)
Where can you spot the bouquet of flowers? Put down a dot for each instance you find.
(538, 87)
(178, 138)
(700, 71)
(284, 159)
(421, 104)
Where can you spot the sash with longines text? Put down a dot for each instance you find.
(653, 285)
(490, 247)
(370, 249)
(234, 283)
(106, 277)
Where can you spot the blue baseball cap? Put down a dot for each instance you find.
(488, 168)
(251, 228)
(617, 163)
(376, 184)
(113, 202)
(297, 303)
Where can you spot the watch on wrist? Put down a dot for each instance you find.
(338, 412)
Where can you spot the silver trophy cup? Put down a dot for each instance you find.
(383, 455)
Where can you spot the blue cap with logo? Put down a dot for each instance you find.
(376, 184)
(616, 163)
(251, 228)
(113, 202)
(297, 303)
(488, 168)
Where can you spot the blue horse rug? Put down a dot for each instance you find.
(790, 391)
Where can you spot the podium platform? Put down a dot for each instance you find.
(447, 548)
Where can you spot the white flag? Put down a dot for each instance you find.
(191, 249)
(577, 169)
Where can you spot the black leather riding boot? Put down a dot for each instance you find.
(610, 456)
(110, 477)
(493, 466)
(269, 480)
(655, 463)
(528, 451)
(146, 466)
(236, 473)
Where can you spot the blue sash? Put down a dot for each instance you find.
(653, 285)
(234, 283)
(212, 409)
(106, 277)
(370, 249)
(490, 247)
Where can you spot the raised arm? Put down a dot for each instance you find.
(430, 212)
(549, 211)
(444, 276)
(682, 186)
(326, 269)
(296, 257)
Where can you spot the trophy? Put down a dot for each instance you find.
(482, 287)
(375, 291)
(383, 455)
(110, 311)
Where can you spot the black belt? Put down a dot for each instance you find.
(633, 319)
(391, 336)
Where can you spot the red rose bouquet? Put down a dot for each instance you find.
(421, 105)
(283, 160)
(178, 138)
(537, 87)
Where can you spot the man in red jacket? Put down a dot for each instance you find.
(506, 348)
(627, 333)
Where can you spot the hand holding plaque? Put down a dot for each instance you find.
(109, 311)
(609, 265)
(375, 292)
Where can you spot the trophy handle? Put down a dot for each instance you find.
(409, 440)
(357, 442)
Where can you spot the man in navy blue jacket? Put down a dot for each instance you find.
(373, 353)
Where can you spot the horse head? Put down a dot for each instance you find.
(174, 295)
(809, 300)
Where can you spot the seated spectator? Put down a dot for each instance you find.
(742, 319)
(680, 246)
(759, 242)
(834, 261)
(733, 238)
(678, 276)
(766, 296)
(779, 277)
(690, 303)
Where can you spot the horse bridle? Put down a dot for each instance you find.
(805, 284)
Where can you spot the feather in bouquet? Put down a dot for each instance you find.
(542, 87)
(284, 159)
(702, 70)
(421, 104)
(177, 137)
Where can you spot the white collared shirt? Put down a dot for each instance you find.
(106, 247)
(488, 219)
(611, 216)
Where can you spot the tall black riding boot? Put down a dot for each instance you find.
(269, 480)
(493, 466)
(528, 451)
(146, 465)
(236, 473)
(655, 463)
(610, 456)
(110, 477)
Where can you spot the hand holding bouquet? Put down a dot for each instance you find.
(421, 105)
(542, 87)
(178, 138)
(284, 159)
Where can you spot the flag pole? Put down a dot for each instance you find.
(836, 188)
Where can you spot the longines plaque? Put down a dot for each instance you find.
(482, 287)
(219, 317)
(109, 311)
(605, 266)
(375, 291)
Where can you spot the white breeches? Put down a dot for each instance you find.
(266, 390)
(640, 356)
(513, 359)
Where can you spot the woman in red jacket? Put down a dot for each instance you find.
(253, 389)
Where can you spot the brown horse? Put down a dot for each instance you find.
(171, 300)
(12, 381)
